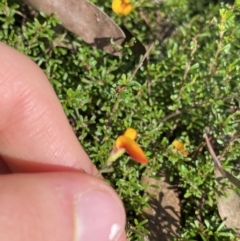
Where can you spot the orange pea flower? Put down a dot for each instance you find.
(126, 143)
(179, 146)
(122, 7)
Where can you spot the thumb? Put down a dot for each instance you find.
(59, 206)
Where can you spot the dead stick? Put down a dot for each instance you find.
(212, 153)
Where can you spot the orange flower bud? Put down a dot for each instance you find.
(179, 146)
(126, 143)
(122, 7)
(132, 148)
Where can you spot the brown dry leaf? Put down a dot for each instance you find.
(227, 196)
(85, 20)
(164, 212)
(228, 199)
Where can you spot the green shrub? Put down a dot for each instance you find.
(190, 82)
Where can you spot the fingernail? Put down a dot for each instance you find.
(98, 216)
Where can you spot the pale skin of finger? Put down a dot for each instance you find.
(35, 137)
(49, 207)
(34, 132)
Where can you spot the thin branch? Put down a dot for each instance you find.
(177, 112)
(142, 60)
(235, 138)
(214, 157)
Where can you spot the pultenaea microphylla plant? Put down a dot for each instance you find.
(176, 95)
(122, 7)
(126, 143)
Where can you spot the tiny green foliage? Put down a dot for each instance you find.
(191, 82)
